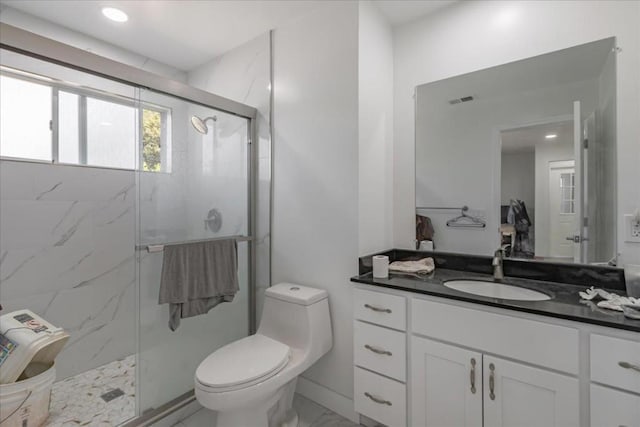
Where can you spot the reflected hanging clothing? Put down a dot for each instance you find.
(424, 229)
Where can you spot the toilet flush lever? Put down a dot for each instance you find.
(378, 309)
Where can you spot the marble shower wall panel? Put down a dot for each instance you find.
(67, 252)
(244, 74)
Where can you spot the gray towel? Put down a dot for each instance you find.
(198, 276)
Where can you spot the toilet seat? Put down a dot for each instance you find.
(242, 363)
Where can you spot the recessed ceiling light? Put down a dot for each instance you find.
(551, 136)
(115, 14)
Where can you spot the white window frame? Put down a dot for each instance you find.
(83, 94)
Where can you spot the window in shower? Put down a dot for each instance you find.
(49, 121)
(25, 113)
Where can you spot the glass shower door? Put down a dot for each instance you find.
(194, 185)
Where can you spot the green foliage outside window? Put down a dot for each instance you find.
(151, 140)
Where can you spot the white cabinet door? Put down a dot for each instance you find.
(446, 385)
(522, 396)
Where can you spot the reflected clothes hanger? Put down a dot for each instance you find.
(466, 221)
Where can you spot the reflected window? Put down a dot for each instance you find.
(567, 193)
(111, 130)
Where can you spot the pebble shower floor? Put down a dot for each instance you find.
(78, 400)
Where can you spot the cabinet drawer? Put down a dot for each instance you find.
(607, 355)
(379, 349)
(380, 398)
(535, 342)
(380, 308)
(612, 408)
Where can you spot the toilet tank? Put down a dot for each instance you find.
(298, 316)
(297, 294)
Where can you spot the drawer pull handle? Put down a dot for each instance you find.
(378, 309)
(492, 381)
(627, 365)
(375, 399)
(473, 375)
(377, 350)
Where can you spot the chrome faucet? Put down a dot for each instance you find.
(498, 257)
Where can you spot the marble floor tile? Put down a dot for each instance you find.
(310, 415)
(77, 400)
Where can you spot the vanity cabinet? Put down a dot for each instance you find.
(615, 363)
(423, 361)
(379, 356)
(453, 386)
(519, 395)
(446, 385)
(614, 408)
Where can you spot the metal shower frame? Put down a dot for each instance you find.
(33, 45)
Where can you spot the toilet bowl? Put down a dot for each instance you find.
(251, 382)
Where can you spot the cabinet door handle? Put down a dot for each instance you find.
(379, 401)
(492, 381)
(377, 350)
(473, 375)
(627, 365)
(378, 309)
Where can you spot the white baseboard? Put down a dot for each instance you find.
(328, 398)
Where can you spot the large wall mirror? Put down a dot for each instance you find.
(521, 156)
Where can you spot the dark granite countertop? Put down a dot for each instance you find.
(564, 304)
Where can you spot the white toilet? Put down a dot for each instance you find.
(250, 382)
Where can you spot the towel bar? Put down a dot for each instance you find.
(159, 247)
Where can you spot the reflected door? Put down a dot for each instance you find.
(562, 209)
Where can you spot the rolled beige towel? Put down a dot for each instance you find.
(421, 266)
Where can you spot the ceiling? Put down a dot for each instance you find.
(187, 33)
(400, 12)
(525, 139)
(180, 33)
(578, 63)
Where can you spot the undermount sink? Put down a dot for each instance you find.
(496, 290)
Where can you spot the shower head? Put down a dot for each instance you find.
(200, 124)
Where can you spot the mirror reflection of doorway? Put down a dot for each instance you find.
(537, 200)
(562, 210)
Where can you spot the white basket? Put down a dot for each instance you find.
(26, 403)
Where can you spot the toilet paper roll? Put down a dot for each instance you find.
(426, 245)
(381, 266)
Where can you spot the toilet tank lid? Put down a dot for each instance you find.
(296, 294)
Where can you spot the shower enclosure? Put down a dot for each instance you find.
(101, 166)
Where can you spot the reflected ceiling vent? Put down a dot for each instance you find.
(461, 100)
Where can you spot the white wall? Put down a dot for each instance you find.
(518, 179)
(315, 223)
(375, 99)
(560, 149)
(470, 36)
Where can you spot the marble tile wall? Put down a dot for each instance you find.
(67, 253)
